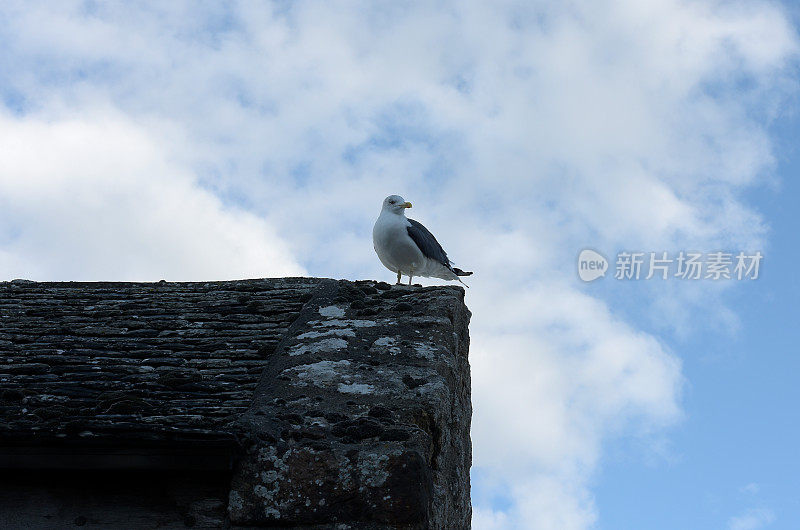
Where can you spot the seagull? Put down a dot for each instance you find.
(406, 247)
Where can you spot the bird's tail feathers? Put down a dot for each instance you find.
(458, 272)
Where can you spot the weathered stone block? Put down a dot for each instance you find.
(392, 445)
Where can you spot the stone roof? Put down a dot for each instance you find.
(151, 361)
(343, 402)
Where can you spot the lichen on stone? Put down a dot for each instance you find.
(324, 345)
(331, 311)
(356, 388)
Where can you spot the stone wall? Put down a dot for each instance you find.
(341, 404)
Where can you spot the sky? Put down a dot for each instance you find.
(221, 140)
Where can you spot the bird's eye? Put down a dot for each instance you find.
(391, 202)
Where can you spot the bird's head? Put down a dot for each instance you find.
(395, 204)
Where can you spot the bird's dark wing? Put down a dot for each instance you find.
(430, 248)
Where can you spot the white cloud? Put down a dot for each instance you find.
(487, 519)
(94, 198)
(521, 131)
(752, 519)
(555, 373)
(750, 488)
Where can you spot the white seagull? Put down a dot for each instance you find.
(406, 247)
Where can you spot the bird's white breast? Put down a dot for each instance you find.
(395, 248)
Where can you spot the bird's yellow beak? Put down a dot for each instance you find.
(406, 205)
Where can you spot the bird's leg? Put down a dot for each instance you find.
(398, 277)
(410, 275)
